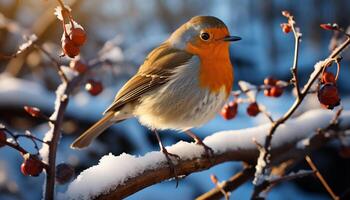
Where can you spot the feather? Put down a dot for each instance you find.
(159, 65)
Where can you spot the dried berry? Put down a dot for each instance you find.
(32, 111)
(78, 66)
(270, 81)
(229, 111)
(69, 48)
(286, 28)
(64, 173)
(78, 36)
(94, 87)
(328, 77)
(31, 165)
(328, 96)
(253, 109)
(3, 138)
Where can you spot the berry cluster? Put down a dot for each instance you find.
(73, 36)
(328, 94)
(272, 87)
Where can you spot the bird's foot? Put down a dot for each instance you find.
(171, 164)
(209, 152)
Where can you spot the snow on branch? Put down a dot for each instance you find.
(117, 177)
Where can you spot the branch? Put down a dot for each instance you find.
(297, 37)
(128, 174)
(319, 67)
(53, 136)
(320, 177)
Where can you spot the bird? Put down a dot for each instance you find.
(182, 84)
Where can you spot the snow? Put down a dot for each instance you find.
(44, 151)
(245, 86)
(259, 167)
(58, 11)
(94, 181)
(29, 41)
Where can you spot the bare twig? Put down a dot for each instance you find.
(61, 4)
(219, 187)
(297, 38)
(22, 151)
(54, 62)
(229, 185)
(320, 177)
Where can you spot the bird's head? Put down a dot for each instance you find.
(202, 35)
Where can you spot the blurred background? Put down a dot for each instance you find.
(126, 31)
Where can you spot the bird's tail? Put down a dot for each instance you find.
(94, 131)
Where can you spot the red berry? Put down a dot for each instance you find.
(286, 28)
(328, 77)
(327, 27)
(94, 87)
(267, 92)
(64, 173)
(229, 111)
(328, 96)
(69, 48)
(31, 165)
(2, 138)
(78, 66)
(32, 111)
(253, 109)
(276, 91)
(270, 81)
(78, 36)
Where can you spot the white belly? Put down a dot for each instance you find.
(180, 104)
(162, 115)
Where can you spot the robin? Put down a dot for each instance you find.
(182, 83)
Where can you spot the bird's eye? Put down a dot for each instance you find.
(205, 36)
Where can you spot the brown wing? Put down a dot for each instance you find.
(154, 72)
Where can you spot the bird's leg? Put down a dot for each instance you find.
(209, 152)
(167, 155)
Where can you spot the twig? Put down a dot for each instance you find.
(297, 102)
(297, 37)
(63, 100)
(267, 115)
(22, 151)
(229, 185)
(218, 186)
(320, 177)
(54, 62)
(61, 4)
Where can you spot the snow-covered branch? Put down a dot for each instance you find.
(117, 177)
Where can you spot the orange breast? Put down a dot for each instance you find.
(216, 71)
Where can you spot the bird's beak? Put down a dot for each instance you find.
(232, 38)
